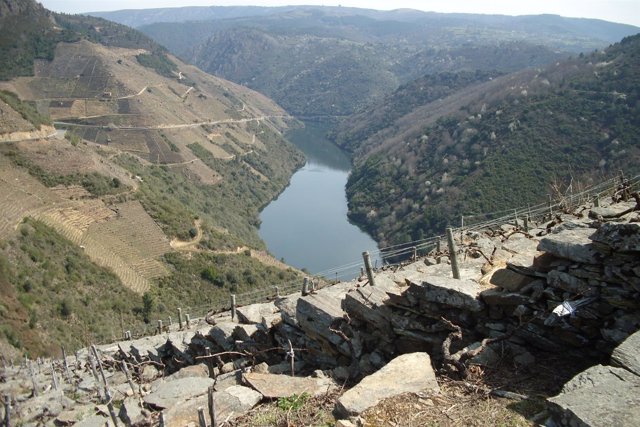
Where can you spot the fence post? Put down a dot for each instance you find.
(550, 206)
(438, 250)
(201, 420)
(187, 320)
(233, 306)
(66, 365)
(159, 327)
(367, 266)
(180, 319)
(515, 218)
(277, 292)
(461, 228)
(54, 379)
(212, 408)
(415, 253)
(305, 286)
(7, 410)
(526, 224)
(33, 378)
(452, 254)
(128, 375)
(596, 201)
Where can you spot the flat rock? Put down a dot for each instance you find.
(222, 334)
(520, 245)
(318, 313)
(131, 412)
(600, 396)
(627, 354)
(498, 297)
(462, 294)
(614, 209)
(275, 386)
(467, 271)
(49, 404)
(230, 403)
(619, 237)
(94, 421)
(569, 283)
(574, 245)
(255, 312)
(170, 393)
(200, 371)
(506, 278)
(287, 307)
(406, 373)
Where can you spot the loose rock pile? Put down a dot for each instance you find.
(570, 285)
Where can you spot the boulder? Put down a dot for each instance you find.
(462, 294)
(407, 373)
(627, 354)
(574, 245)
(170, 393)
(131, 412)
(600, 396)
(287, 307)
(276, 386)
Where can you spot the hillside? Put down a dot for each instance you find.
(150, 184)
(332, 61)
(461, 154)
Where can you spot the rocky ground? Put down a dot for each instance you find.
(507, 343)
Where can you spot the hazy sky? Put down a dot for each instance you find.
(625, 11)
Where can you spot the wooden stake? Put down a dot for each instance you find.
(66, 365)
(305, 286)
(453, 256)
(33, 378)
(125, 369)
(7, 411)
(233, 307)
(212, 408)
(180, 318)
(54, 380)
(107, 393)
(367, 267)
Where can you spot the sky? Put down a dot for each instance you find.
(623, 11)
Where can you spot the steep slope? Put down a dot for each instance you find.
(148, 151)
(461, 155)
(335, 61)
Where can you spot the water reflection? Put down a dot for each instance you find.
(307, 224)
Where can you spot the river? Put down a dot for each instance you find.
(307, 224)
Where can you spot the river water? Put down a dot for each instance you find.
(307, 224)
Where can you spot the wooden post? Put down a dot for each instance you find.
(33, 378)
(159, 327)
(438, 250)
(596, 201)
(415, 253)
(201, 420)
(92, 363)
(107, 393)
(292, 357)
(7, 410)
(515, 218)
(187, 320)
(212, 408)
(550, 206)
(180, 318)
(66, 365)
(125, 369)
(361, 272)
(54, 379)
(233, 307)
(452, 254)
(277, 292)
(170, 323)
(305, 286)
(526, 224)
(461, 228)
(367, 266)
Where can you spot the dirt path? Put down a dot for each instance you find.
(185, 245)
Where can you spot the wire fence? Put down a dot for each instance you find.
(400, 253)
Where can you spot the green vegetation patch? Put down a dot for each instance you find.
(159, 62)
(54, 295)
(27, 109)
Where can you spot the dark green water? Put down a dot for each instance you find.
(307, 224)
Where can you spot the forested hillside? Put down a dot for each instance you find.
(328, 61)
(500, 144)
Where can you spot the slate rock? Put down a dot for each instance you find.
(410, 372)
(506, 278)
(600, 396)
(275, 386)
(498, 297)
(619, 237)
(94, 421)
(255, 312)
(462, 294)
(230, 404)
(287, 307)
(200, 370)
(627, 354)
(222, 334)
(131, 412)
(170, 393)
(569, 283)
(574, 245)
(46, 405)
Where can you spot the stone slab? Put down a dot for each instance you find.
(170, 393)
(462, 294)
(255, 312)
(275, 386)
(222, 334)
(230, 404)
(574, 245)
(619, 237)
(406, 373)
(600, 396)
(627, 354)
